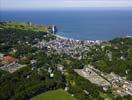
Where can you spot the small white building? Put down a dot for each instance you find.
(1, 55)
(52, 75)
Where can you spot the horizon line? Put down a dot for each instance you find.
(72, 8)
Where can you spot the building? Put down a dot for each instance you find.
(8, 59)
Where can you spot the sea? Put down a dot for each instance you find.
(82, 24)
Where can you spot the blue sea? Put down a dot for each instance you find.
(83, 24)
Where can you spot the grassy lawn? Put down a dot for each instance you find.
(54, 95)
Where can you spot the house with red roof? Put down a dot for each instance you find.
(8, 59)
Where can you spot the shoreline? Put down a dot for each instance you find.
(66, 38)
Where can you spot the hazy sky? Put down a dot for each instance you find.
(43, 4)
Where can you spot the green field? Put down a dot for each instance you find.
(54, 95)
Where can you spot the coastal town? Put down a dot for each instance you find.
(75, 49)
(71, 47)
(46, 56)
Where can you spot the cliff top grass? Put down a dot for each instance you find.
(23, 26)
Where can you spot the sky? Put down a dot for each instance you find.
(46, 4)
